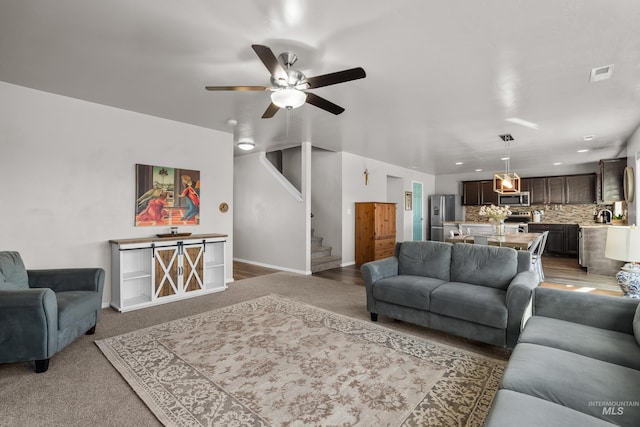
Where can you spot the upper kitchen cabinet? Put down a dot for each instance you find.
(611, 179)
(570, 189)
(581, 188)
(478, 193)
(471, 193)
(488, 196)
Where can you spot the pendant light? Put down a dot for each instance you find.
(507, 182)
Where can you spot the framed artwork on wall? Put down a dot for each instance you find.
(167, 196)
(408, 200)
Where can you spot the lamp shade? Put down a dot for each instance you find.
(288, 98)
(623, 244)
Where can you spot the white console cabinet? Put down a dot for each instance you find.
(150, 271)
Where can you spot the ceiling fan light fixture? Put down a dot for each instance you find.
(288, 98)
(246, 144)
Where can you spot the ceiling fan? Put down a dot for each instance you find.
(289, 86)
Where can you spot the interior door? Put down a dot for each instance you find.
(418, 219)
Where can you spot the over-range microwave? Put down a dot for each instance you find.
(519, 199)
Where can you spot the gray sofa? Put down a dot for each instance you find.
(577, 363)
(474, 291)
(43, 311)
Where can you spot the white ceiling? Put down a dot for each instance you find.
(442, 76)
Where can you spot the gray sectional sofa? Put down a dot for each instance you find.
(577, 363)
(474, 291)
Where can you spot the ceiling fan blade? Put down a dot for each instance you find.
(271, 111)
(337, 77)
(320, 102)
(270, 61)
(240, 88)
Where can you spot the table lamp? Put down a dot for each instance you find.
(623, 244)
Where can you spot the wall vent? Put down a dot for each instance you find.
(601, 73)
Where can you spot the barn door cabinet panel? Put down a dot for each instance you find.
(150, 271)
(375, 231)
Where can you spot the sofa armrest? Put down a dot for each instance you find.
(519, 295)
(600, 311)
(68, 279)
(29, 324)
(373, 271)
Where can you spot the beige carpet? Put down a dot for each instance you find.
(277, 361)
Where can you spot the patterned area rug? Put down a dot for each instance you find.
(273, 361)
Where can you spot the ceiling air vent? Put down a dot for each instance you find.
(506, 137)
(601, 73)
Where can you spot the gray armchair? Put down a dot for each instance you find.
(43, 311)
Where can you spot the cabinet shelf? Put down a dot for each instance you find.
(136, 275)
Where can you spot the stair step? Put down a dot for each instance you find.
(316, 242)
(320, 251)
(325, 263)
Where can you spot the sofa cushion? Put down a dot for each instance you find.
(510, 408)
(602, 344)
(483, 265)
(478, 304)
(406, 290)
(75, 305)
(12, 270)
(425, 258)
(600, 389)
(636, 324)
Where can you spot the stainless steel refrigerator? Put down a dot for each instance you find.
(443, 207)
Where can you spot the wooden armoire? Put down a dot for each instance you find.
(375, 231)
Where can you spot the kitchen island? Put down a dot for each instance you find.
(592, 241)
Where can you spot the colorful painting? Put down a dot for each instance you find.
(167, 196)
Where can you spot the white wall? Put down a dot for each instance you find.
(355, 190)
(326, 197)
(68, 173)
(270, 224)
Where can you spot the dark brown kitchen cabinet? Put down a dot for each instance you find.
(580, 188)
(471, 193)
(571, 231)
(611, 179)
(537, 191)
(562, 239)
(555, 189)
(488, 196)
(478, 193)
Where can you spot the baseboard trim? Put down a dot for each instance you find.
(274, 267)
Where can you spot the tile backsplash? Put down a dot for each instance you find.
(565, 214)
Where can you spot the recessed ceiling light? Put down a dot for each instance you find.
(521, 122)
(505, 158)
(583, 150)
(478, 170)
(459, 163)
(588, 137)
(557, 163)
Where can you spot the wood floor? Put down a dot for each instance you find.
(563, 273)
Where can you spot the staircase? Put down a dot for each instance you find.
(321, 258)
